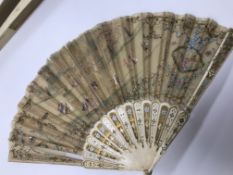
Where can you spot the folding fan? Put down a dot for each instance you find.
(117, 96)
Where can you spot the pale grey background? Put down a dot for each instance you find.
(205, 145)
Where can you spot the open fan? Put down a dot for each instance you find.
(119, 91)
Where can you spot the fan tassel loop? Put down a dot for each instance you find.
(146, 172)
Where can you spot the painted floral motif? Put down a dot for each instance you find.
(187, 59)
